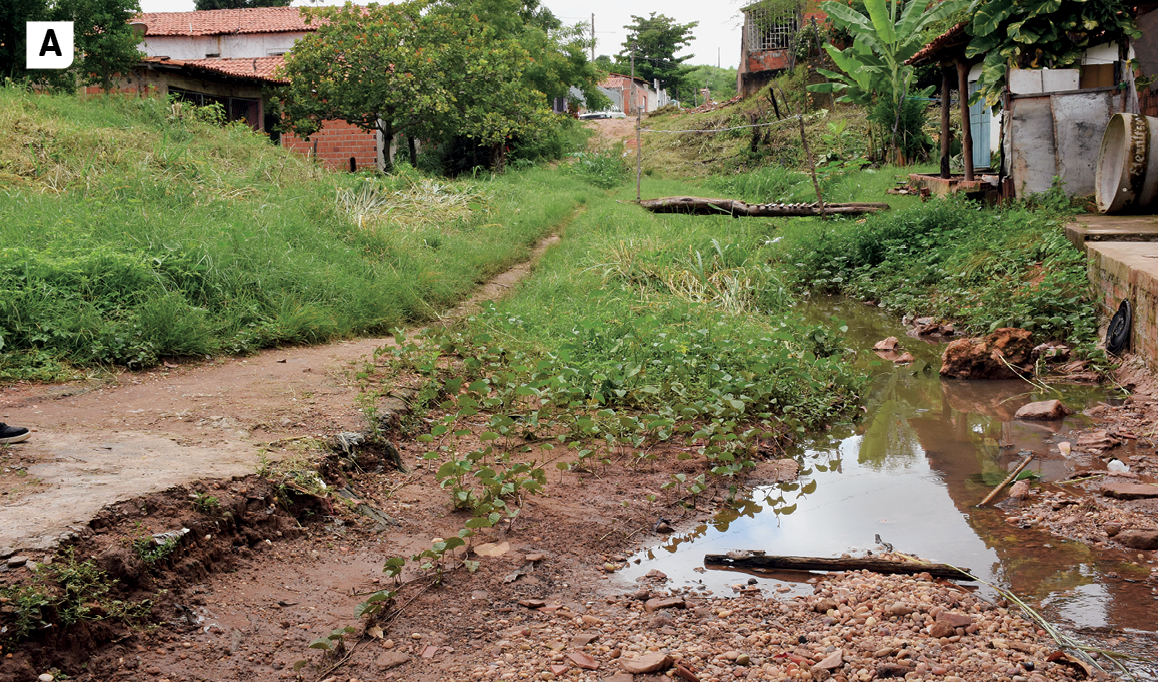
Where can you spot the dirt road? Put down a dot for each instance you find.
(102, 443)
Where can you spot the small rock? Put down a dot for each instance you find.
(885, 670)
(391, 659)
(45, 678)
(664, 603)
(743, 659)
(583, 660)
(532, 603)
(17, 561)
(534, 558)
(583, 639)
(1138, 539)
(904, 359)
(648, 663)
(886, 344)
(954, 620)
(753, 581)
(655, 574)
(900, 609)
(830, 662)
(620, 677)
(825, 605)
(938, 630)
(1111, 529)
(1020, 490)
(1045, 410)
(1123, 490)
(6, 552)
(685, 673)
(558, 670)
(663, 527)
(479, 594)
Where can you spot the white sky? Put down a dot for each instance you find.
(718, 32)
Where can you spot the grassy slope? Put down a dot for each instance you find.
(133, 231)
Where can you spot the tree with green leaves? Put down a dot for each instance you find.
(874, 69)
(430, 70)
(105, 43)
(1037, 33)
(654, 41)
(238, 4)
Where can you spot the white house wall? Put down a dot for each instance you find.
(241, 46)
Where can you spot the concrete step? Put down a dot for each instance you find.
(1112, 228)
(1129, 270)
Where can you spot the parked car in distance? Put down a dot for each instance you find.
(613, 112)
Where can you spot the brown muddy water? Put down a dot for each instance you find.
(912, 471)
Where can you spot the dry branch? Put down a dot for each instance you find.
(798, 563)
(739, 209)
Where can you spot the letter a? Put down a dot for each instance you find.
(51, 44)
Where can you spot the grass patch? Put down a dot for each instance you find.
(952, 259)
(133, 230)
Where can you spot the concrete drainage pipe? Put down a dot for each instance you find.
(1127, 174)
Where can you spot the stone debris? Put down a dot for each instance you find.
(886, 344)
(1000, 355)
(1045, 410)
(856, 627)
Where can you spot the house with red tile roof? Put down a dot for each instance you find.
(232, 57)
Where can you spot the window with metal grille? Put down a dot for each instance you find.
(770, 28)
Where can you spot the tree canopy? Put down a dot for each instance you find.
(105, 43)
(436, 70)
(655, 41)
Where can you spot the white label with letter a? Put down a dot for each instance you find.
(50, 44)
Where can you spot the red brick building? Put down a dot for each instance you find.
(767, 41)
(232, 57)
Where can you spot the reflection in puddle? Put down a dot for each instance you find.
(910, 473)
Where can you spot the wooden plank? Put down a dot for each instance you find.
(797, 563)
(739, 209)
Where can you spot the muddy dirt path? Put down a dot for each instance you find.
(101, 443)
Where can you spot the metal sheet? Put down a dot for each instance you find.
(1079, 122)
(1032, 162)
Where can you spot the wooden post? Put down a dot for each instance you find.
(946, 129)
(966, 133)
(1012, 475)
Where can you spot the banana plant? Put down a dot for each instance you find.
(874, 65)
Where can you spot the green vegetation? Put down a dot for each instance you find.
(874, 69)
(461, 73)
(135, 229)
(1037, 33)
(62, 593)
(720, 81)
(950, 259)
(105, 44)
(654, 40)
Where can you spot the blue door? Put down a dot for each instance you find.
(979, 122)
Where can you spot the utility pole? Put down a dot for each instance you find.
(638, 147)
(593, 37)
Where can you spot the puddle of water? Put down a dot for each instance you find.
(912, 472)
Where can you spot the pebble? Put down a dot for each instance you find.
(863, 625)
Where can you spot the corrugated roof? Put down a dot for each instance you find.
(260, 68)
(225, 22)
(951, 39)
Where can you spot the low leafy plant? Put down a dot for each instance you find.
(604, 169)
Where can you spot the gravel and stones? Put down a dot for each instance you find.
(855, 626)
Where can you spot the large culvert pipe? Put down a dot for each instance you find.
(1127, 177)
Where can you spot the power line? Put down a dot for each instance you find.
(720, 130)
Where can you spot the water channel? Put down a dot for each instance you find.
(912, 471)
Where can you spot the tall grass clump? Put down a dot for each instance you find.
(663, 312)
(954, 260)
(137, 229)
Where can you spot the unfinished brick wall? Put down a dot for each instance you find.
(336, 143)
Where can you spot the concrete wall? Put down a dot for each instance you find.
(335, 144)
(1129, 271)
(243, 46)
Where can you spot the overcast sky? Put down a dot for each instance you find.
(717, 34)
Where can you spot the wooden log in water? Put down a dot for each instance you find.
(800, 563)
(739, 209)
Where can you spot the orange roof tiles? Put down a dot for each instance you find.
(225, 22)
(260, 68)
